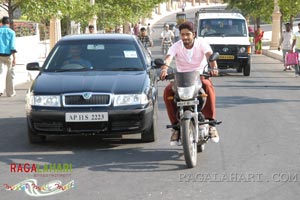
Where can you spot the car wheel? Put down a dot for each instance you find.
(246, 70)
(150, 134)
(33, 138)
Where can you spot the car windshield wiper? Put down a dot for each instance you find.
(127, 69)
(71, 70)
(213, 34)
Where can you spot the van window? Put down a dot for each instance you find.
(222, 27)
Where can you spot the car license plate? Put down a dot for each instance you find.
(187, 103)
(226, 57)
(87, 117)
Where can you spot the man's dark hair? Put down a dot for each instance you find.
(143, 29)
(91, 26)
(5, 20)
(187, 25)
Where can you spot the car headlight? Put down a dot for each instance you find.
(242, 50)
(51, 101)
(130, 99)
(186, 93)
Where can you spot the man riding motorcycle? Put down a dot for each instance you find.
(191, 54)
(167, 37)
(145, 39)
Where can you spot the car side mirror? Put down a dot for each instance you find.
(34, 66)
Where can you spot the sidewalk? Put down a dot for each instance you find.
(36, 51)
(266, 47)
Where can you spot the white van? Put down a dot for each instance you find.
(227, 33)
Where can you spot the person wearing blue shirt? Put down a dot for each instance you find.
(7, 58)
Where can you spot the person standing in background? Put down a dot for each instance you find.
(285, 43)
(91, 29)
(150, 30)
(177, 33)
(183, 6)
(258, 35)
(7, 58)
(296, 44)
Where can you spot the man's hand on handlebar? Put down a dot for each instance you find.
(163, 72)
(214, 72)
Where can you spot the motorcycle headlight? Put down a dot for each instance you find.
(50, 101)
(186, 93)
(130, 99)
(242, 50)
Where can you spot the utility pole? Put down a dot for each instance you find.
(93, 21)
(275, 26)
(55, 30)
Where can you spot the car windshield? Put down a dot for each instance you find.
(222, 28)
(95, 55)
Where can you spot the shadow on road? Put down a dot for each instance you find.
(94, 153)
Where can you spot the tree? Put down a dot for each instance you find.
(10, 6)
(42, 11)
(110, 12)
(289, 9)
(258, 9)
(115, 12)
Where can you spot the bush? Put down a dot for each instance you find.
(24, 28)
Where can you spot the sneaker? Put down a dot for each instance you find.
(174, 137)
(214, 134)
(296, 75)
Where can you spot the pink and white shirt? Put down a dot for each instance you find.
(193, 59)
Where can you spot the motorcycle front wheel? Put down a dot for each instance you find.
(188, 143)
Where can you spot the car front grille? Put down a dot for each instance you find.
(225, 49)
(86, 99)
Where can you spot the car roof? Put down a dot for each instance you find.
(220, 15)
(107, 36)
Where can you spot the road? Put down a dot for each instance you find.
(257, 157)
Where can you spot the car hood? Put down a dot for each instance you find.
(106, 82)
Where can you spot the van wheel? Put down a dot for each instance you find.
(246, 70)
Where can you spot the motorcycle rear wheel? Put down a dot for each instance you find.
(188, 143)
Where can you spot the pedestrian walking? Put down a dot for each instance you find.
(296, 45)
(7, 58)
(183, 6)
(285, 44)
(150, 30)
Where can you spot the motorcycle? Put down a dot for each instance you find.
(166, 44)
(190, 99)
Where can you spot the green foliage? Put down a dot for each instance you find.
(116, 12)
(289, 8)
(262, 9)
(110, 13)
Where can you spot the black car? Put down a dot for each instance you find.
(95, 84)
